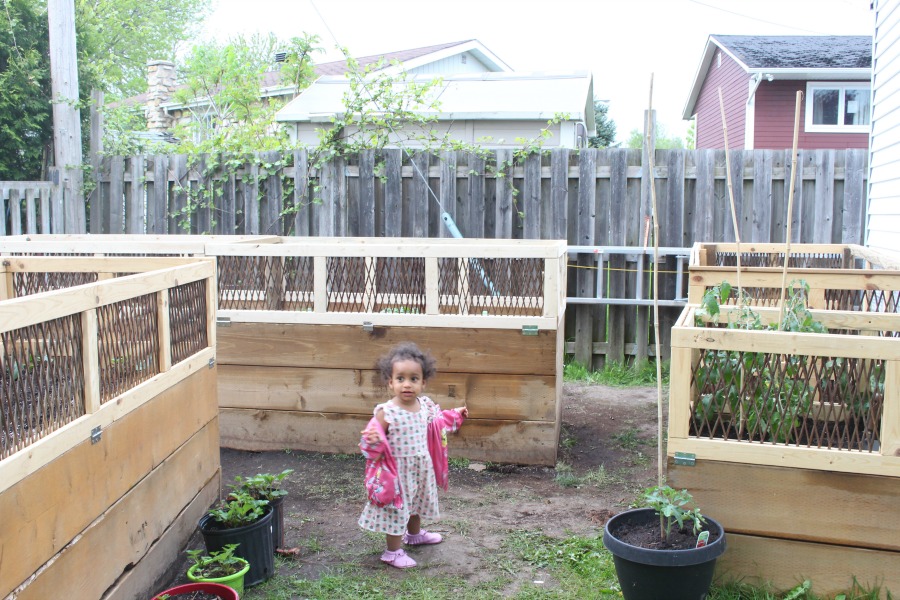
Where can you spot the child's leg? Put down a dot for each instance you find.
(394, 555)
(394, 542)
(414, 524)
(416, 536)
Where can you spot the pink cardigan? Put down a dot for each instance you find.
(444, 421)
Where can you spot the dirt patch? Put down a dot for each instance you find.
(607, 455)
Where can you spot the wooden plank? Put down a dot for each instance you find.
(122, 535)
(158, 196)
(705, 212)
(117, 194)
(250, 190)
(531, 197)
(270, 213)
(134, 213)
(850, 509)
(521, 442)
(853, 205)
(890, 418)
(226, 207)
(163, 331)
(586, 273)
(344, 346)
(90, 361)
(762, 202)
(823, 220)
(30, 212)
(77, 473)
(15, 212)
(393, 192)
(204, 192)
(785, 564)
(302, 200)
(143, 579)
(419, 199)
(448, 190)
(367, 193)
(357, 391)
(475, 225)
(179, 220)
(559, 193)
(616, 276)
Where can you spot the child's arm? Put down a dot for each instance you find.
(372, 444)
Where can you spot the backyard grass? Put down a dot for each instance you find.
(617, 374)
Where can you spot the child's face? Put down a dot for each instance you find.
(407, 382)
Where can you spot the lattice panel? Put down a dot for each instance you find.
(346, 281)
(883, 301)
(399, 285)
(776, 259)
(493, 286)
(187, 320)
(242, 282)
(41, 381)
(298, 283)
(26, 284)
(805, 401)
(128, 344)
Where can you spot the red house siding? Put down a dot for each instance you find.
(734, 83)
(774, 121)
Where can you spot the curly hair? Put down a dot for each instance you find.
(406, 351)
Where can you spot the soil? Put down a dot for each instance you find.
(607, 456)
(647, 535)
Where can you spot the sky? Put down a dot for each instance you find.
(622, 42)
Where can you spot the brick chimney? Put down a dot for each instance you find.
(160, 86)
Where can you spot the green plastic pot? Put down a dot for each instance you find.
(235, 582)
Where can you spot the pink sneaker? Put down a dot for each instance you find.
(398, 558)
(422, 538)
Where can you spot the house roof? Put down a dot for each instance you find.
(797, 57)
(469, 96)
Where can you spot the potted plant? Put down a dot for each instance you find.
(219, 566)
(247, 521)
(266, 486)
(664, 550)
(197, 591)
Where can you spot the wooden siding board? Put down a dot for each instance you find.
(733, 81)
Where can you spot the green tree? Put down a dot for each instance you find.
(663, 140)
(692, 135)
(606, 127)
(25, 112)
(116, 38)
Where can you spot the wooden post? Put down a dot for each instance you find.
(66, 120)
(96, 148)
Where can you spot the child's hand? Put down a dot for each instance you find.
(371, 436)
(463, 410)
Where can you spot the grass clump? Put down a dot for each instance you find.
(617, 374)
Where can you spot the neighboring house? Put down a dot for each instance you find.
(883, 214)
(163, 112)
(759, 77)
(490, 109)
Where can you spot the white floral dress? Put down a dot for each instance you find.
(408, 437)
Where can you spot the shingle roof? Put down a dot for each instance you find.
(799, 51)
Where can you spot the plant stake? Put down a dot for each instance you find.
(790, 210)
(734, 222)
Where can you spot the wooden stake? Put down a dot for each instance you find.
(660, 454)
(734, 221)
(790, 210)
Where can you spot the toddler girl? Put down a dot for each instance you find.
(416, 438)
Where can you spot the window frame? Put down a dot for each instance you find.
(841, 87)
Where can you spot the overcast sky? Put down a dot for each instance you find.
(622, 42)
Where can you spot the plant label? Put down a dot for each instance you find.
(702, 539)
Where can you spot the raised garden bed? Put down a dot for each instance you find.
(107, 408)
(792, 440)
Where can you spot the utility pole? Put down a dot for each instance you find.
(69, 216)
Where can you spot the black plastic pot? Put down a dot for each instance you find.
(254, 544)
(277, 522)
(646, 574)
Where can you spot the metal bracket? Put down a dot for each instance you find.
(223, 321)
(529, 329)
(95, 434)
(688, 459)
(367, 326)
(212, 362)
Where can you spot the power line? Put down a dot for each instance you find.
(737, 14)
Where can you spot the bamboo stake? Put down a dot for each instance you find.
(660, 454)
(734, 221)
(790, 210)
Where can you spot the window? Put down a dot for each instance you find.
(838, 107)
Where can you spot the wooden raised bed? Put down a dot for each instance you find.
(109, 449)
(303, 322)
(812, 492)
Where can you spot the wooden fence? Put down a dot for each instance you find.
(589, 198)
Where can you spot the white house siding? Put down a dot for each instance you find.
(459, 63)
(883, 216)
